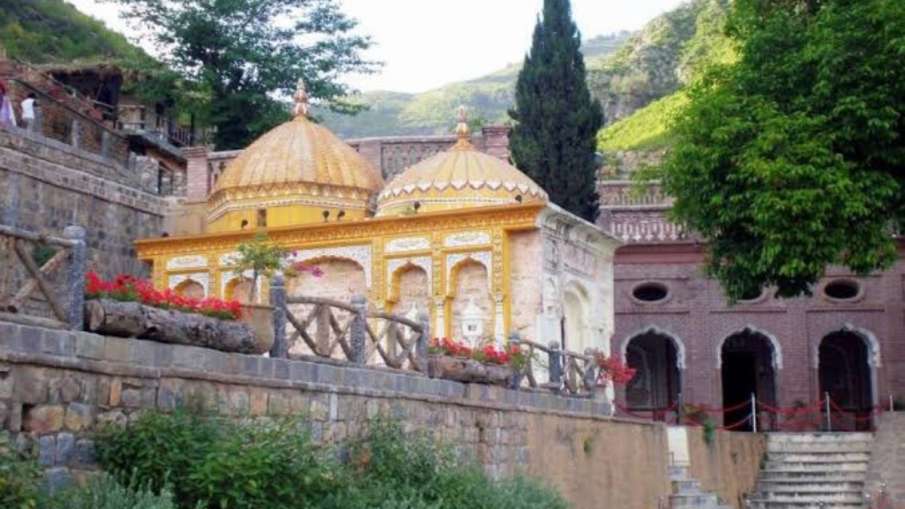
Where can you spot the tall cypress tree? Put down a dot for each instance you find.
(554, 139)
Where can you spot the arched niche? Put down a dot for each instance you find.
(190, 288)
(409, 288)
(238, 288)
(749, 360)
(657, 382)
(470, 285)
(576, 326)
(339, 279)
(847, 362)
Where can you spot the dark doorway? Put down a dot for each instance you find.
(656, 385)
(747, 369)
(845, 376)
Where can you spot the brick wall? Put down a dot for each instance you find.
(887, 460)
(48, 185)
(57, 386)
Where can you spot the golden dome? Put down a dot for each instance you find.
(460, 177)
(298, 163)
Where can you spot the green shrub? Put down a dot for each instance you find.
(104, 492)
(20, 477)
(218, 464)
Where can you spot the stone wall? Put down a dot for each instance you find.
(729, 465)
(887, 459)
(46, 185)
(57, 386)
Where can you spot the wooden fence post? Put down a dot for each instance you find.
(421, 346)
(76, 277)
(279, 349)
(357, 332)
(555, 364)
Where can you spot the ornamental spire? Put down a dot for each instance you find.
(462, 130)
(300, 100)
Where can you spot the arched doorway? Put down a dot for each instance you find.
(239, 289)
(845, 376)
(748, 366)
(657, 382)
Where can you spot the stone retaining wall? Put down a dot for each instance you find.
(887, 459)
(57, 386)
(46, 186)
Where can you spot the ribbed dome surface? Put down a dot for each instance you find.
(298, 151)
(458, 178)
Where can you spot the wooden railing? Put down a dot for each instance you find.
(568, 372)
(346, 331)
(21, 277)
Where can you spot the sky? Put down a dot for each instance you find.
(425, 44)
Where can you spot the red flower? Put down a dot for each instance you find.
(613, 370)
(129, 288)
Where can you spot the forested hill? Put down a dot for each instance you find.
(53, 31)
(488, 98)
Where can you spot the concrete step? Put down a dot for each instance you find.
(814, 466)
(849, 497)
(811, 476)
(819, 457)
(809, 487)
(700, 500)
(685, 486)
(813, 438)
(820, 447)
(762, 504)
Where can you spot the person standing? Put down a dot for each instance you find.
(28, 111)
(7, 115)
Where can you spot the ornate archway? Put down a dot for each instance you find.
(748, 361)
(657, 383)
(846, 372)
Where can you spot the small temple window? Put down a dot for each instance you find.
(244, 224)
(842, 289)
(262, 218)
(650, 292)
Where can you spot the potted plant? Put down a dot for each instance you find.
(454, 360)
(127, 306)
(261, 257)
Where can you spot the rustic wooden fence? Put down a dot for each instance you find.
(330, 329)
(22, 279)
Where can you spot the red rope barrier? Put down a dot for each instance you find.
(737, 425)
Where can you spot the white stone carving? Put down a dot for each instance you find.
(360, 254)
(485, 258)
(422, 262)
(472, 323)
(467, 239)
(187, 262)
(229, 259)
(407, 244)
(202, 278)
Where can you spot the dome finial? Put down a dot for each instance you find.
(300, 98)
(462, 130)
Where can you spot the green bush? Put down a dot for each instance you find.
(104, 492)
(20, 477)
(216, 464)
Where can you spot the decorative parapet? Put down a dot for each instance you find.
(628, 193)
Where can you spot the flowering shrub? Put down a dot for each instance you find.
(612, 370)
(131, 289)
(489, 353)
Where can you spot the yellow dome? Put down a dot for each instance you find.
(460, 177)
(295, 173)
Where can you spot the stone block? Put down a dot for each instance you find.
(116, 349)
(302, 371)
(89, 346)
(64, 390)
(79, 416)
(251, 366)
(57, 478)
(116, 392)
(319, 410)
(258, 404)
(31, 339)
(47, 450)
(10, 336)
(142, 352)
(58, 343)
(30, 386)
(43, 419)
(6, 381)
(278, 405)
(239, 402)
(84, 453)
(281, 369)
(65, 449)
(112, 417)
(169, 394)
(266, 367)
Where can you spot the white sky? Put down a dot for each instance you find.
(427, 43)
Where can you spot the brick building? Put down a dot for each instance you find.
(677, 328)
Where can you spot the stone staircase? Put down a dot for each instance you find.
(813, 471)
(687, 492)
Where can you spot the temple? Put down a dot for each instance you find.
(462, 236)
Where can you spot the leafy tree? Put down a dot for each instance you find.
(553, 141)
(264, 258)
(247, 53)
(793, 158)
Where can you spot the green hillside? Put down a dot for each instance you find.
(53, 31)
(488, 98)
(683, 43)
